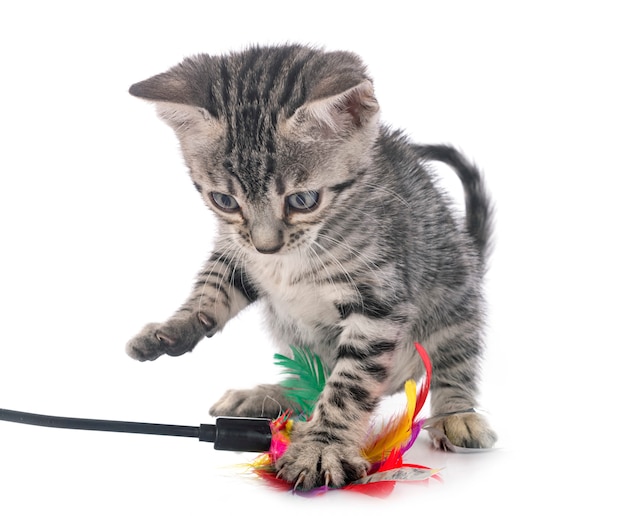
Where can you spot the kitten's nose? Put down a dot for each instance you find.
(267, 240)
(269, 250)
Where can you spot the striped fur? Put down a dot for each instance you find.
(334, 223)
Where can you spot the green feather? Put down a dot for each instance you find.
(307, 377)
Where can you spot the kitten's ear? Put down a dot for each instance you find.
(353, 109)
(178, 98)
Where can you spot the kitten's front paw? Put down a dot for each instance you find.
(174, 337)
(465, 430)
(308, 463)
(262, 401)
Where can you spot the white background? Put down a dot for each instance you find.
(101, 231)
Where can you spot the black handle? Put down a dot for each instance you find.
(229, 433)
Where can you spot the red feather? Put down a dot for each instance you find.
(423, 394)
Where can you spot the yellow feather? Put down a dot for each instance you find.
(410, 389)
(396, 432)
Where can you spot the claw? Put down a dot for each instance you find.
(300, 480)
(207, 322)
(165, 339)
(327, 478)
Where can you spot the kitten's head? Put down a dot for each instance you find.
(273, 137)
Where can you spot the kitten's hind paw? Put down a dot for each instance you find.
(262, 401)
(468, 430)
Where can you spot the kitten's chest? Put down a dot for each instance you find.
(300, 298)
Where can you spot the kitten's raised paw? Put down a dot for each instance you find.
(310, 464)
(262, 401)
(175, 337)
(465, 430)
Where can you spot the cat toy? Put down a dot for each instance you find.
(384, 449)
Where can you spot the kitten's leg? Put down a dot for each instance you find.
(455, 354)
(327, 448)
(220, 292)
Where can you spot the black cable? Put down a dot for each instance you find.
(234, 434)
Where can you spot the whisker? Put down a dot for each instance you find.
(389, 191)
(227, 250)
(345, 273)
(372, 267)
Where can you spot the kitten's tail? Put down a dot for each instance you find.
(478, 204)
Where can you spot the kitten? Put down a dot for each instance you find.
(333, 222)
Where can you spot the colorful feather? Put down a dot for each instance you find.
(396, 432)
(384, 450)
(307, 377)
(401, 431)
(423, 394)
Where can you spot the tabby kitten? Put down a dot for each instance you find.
(333, 222)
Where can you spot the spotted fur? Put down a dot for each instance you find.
(334, 223)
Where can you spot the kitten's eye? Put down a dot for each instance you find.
(224, 202)
(303, 201)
